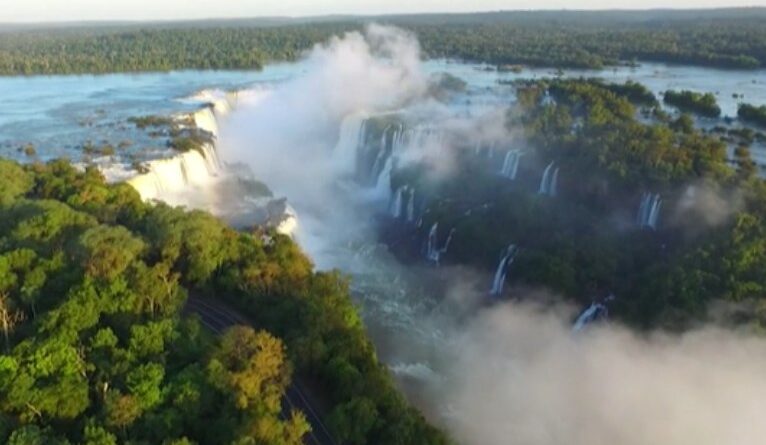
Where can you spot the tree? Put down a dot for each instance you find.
(251, 365)
(9, 318)
(144, 382)
(107, 251)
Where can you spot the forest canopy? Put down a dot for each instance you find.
(727, 38)
(96, 348)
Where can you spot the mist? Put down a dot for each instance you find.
(517, 374)
(288, 133)
(511, 373)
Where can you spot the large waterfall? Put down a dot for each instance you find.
(178, 172)
(549, 181)
(368, 147)
(197, 178)
(502, 269)
(649, 210)
(175, 174)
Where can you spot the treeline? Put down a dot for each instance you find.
(78, 51)
(703, 104)
(96, 350)
(587, 241)
(725, 38)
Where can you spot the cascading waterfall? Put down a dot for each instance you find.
(649, 210)
(191, 168)
(511, 164)
(554, 185)
(403, 204)
(352, 136)
(502, 268)
(375, 158)
(381, 158)
(596, 311)
(194, 178)
(549, 181)
(174, 175)
(433, 252)
(397, 202)
(384, 177)
(411, 206)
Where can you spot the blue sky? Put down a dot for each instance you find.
(68, 10)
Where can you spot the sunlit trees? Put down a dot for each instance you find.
(97, 348)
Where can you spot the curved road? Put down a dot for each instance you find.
(217, 317)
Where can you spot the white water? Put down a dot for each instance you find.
(192, 171)
(198, 179)
(434, 253)
(511, 164)
(498, 282)
(549, 181)
(649, 210)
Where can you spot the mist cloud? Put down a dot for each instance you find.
(517, 374)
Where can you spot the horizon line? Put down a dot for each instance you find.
(309, 17)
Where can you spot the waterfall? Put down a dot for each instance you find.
(350, 140)
(596, 311)
(191, 168)
(411, 206)
(396, 203)
(205, 120)
(385, 175)
(549, 180)
(554, 183)
(433, 252)
(511, 164)
(175, 174)
(590, 314)
(649, 210)
(502, 268)
(196, 178)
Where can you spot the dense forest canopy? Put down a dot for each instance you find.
(95, 348)
(733, 38)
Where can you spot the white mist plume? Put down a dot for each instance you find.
(287, 134)
(704, 205)
(517, 374)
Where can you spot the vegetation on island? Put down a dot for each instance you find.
(726, 38)
(96, 348)
(586, 241)
(703, 104)
(182, 132)
(752, 114)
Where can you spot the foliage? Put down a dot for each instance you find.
(92, 287)
(728, 38)
(702, 104)
(752, 113)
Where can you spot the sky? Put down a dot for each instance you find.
(80, 10)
